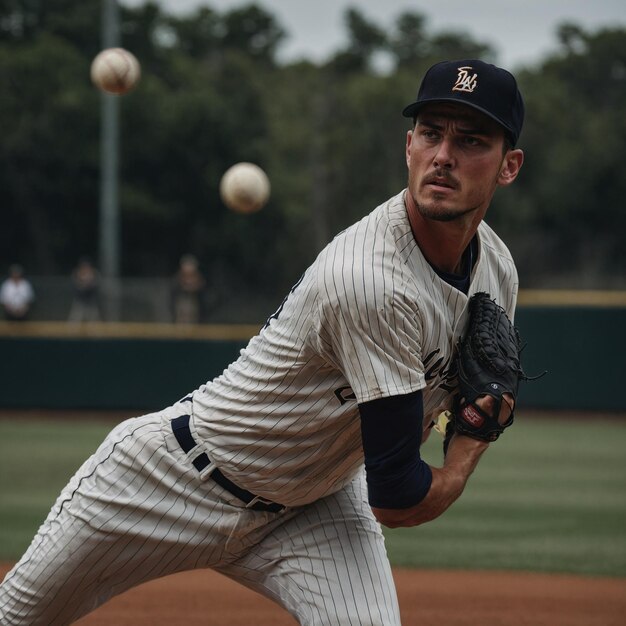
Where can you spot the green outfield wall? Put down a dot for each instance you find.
(583, 351)
(148, 366)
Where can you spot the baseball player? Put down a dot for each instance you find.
(280, 472)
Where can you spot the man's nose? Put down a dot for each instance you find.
(444, 156)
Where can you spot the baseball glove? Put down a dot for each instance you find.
(488, 365)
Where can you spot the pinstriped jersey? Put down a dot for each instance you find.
(369, 319)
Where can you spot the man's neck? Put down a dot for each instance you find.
(442, 243)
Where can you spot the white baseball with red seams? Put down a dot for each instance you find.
(245, 187)
(115, 71)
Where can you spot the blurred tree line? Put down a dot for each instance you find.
(330, 136)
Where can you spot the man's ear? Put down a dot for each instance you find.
(407, 152)
(511, 166)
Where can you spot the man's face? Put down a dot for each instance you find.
(455, 156)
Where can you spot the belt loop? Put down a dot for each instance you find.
(180, 427)
(199, 458)
(259, 500)
(207, 471)
(194, 451)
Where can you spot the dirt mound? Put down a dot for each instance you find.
(427, 598)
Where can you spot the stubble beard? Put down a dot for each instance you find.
(435, 211)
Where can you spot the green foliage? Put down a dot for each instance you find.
(409, 44)
(364, 39)
(254, 30)
(413, 47)
(573, 182)
(330, 136)
(197, 38)
(48, 165)
(74, 21)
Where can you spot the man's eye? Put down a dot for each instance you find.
(471, 141)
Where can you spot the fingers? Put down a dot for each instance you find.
(488, 405)
(507, 401)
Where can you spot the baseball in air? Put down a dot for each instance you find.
(245, 188)
(115, 71)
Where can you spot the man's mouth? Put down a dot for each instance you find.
(441, 182)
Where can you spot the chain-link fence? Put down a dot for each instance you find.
(145, 300)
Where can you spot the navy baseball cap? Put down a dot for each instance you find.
(482, 86)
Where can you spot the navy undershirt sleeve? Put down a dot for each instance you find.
(391, 429)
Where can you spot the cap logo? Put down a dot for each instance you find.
(465, 81)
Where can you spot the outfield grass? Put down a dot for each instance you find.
(548, 496)
(37, 458)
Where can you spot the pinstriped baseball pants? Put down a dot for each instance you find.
(137, 510)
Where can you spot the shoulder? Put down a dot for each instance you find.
(371, 250)
(361, 270)
(494, 248)
(498, 274)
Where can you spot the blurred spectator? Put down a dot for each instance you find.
(16, 295)
(86, 285)
(188, 292)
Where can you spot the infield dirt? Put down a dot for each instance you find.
(427, 598)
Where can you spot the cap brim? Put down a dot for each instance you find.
(412, 109)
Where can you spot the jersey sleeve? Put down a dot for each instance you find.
(500, 277)
(391, 432)
(369, 325)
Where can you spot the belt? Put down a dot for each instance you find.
(180, 428)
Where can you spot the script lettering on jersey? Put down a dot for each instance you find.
(344, 394)
(442, 367)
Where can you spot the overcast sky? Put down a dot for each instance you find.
(521, 31)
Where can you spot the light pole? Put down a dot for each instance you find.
(109, 173)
